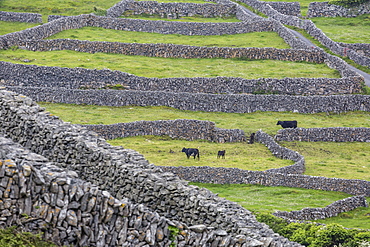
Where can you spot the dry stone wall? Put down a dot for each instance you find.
(363, 49)
(238, 103)
(164, 27)
(324, 9)
(331, 210)
(284, 153)
(311, 29)
(80, 78)
(175, 51)
(286, 8)
(206, 174)
(181, 128)
(20, 17)
(41, 197)
(333, 134)
(176, 10)
(126, 174)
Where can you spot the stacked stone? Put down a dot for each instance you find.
(333, 134)
(39, 196)
(180, 128)
(361, 48)
(20, 17)
(331, 210)
(311, 29)
(236, 103)
(43, 31)
(116, 10)
(350, 186)
(80, 78)
(125, 174)
(55, 17)
(175, 51)
(315, 32)
(207, 174)
(335, 47)
(358, 58)
(221, 175)
(228, 135)
(177, 10)
(289, 37)
(287, 8)
(283, 153)
(245, 16)
(324, 9)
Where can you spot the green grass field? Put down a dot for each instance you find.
(10, 27)
(238, 155)
(346, 30)
(257, 198)
(56, 7)
(256, 39)
(343, 160)
(170, 67)
(248, 122)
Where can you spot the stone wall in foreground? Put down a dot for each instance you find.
(181, 129)
(332, 134)
(126, 174)
(38, 196)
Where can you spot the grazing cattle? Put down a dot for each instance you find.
(287, 124)
(221, 154)
(191, 151)
(251, 138)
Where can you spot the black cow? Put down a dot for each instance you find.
(191, 151)
(221, 154)
(287, 124)
(251, 138)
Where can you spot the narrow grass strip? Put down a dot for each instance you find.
(171, 67)
(256, 39)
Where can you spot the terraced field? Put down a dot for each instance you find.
(342, 160)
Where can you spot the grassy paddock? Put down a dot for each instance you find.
(342, 160)
(171, 67)
(328, 159)
(156, 150)
(56, 7)
(248, 122)
(256, 39)
(316, 42)
(10, 27)
(253, 196)
(257, 198)
(347, 30)
(350, 160)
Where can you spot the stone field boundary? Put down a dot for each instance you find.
(57, 140)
